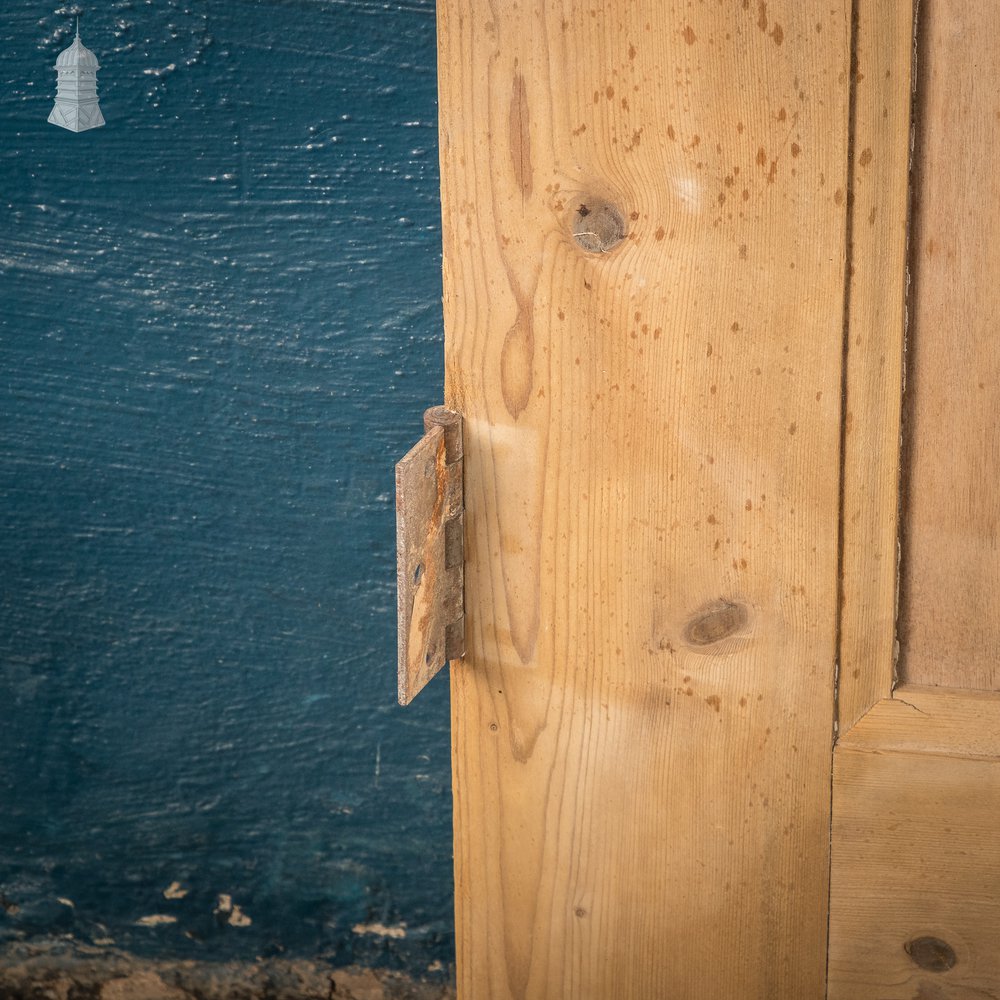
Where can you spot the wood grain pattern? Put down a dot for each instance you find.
(950, 621)
(915, 884)
(642, 727)
(874, 354)
(955, 722)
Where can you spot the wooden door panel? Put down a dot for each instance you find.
(950, 614)
(915, 893)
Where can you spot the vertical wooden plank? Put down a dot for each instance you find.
(642, 726)
(950, 621)
(876, 321)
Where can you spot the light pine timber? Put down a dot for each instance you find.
(642, 726)
(874, 353)
(950, 624)
(944, 721)
(915, 893)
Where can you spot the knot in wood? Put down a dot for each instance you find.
(931, 954)
(715, 622)
(597, 225)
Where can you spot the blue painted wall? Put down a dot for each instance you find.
(219, 325)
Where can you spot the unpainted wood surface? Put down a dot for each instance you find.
(950, 627)
(915, 885)
(874, 353)
(642, 726)
(955, 722)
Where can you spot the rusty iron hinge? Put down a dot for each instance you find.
(430, 556)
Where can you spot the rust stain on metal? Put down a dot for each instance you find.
(430, 518)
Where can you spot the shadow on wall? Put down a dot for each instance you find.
(220, 325)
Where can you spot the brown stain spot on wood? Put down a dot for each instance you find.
(516, 363)
(609, 91)
(631, 51)
(597, 226)
(931, 953)
(773, 172)
(866, 157)
(761, 156)
(796, 149)
(659, 234)
(778, 35)
(671, 134)
(520, 137)
(689, 36)
(762, 16)
(838, 196)
(715, 622)
(792, 427)
(715, 701)
(522, 743)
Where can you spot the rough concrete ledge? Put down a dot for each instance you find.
(68, 970)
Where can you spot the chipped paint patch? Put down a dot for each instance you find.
(235, 917)
(156, 919)
(381, 930)
(175, 891)
(66, 902)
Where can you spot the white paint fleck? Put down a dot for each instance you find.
(234, 915)
(175, 891)
(381, 930)
(688, 192)
(155, 919)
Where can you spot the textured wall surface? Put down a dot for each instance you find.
(219, 325)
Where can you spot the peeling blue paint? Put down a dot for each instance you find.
(220, 325)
